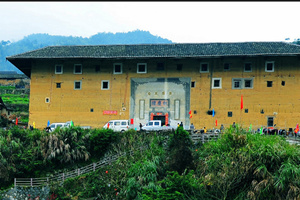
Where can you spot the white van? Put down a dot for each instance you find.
(53, 126)
(117, 125)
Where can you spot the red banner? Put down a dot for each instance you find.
(110, 112)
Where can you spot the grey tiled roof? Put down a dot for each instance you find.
(163, 50)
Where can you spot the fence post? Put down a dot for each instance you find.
(31, 182)
(94, 166)
(78, 171)
(15, 180)
(47, 181)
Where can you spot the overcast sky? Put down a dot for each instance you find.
(181, 22)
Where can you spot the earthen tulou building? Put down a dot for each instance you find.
(207, 84)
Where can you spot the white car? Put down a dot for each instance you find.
(53, 126)
(117, 125)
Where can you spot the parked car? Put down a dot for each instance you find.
(117, 125)
(53, 126)
(155, 125)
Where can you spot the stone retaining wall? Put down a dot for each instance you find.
(26, 193)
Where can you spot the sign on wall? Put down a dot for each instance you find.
(154, 103)
(110, 112)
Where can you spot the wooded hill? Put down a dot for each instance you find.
(36, 41)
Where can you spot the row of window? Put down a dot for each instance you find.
(237, 83)
(78, 85)
(142, 67)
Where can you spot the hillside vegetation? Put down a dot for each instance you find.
(37, 41)
(239, 165)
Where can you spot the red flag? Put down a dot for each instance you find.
(190, 114)
(216, 122)
(16, 121)
(242, 103)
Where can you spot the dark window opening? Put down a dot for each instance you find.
(195, 111)
(141, 68)
(58, 85)
(193, 84)
(270, 121)
(216, 83)
(229, 114)
(269, 83)
(226, 66)
(179, 67)
(269, 66)
(117, 68)
(77, 69)
(204, 67)
(58, 69)
(262, 111)
(105, 85)
(283, 83)
(248, 83)
(160, 66)
(246, 110)
(97, 68)
(248, 67)
(92, 109)
(77, 85)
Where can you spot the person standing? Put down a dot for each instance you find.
(141, 126)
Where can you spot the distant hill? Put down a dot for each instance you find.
(36, 41)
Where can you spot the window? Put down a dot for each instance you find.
(92, 109)
(248, 83)
(58, 85)
(269, 83)
(242, 83)
(226, 66)
(160, 66)
(118, 68)
(47, 100)
(77, 85)
(179, 67)
(269, 66)
(97, 68)
(193, 84)
(283, 83)
(248, 67)
(237, 83)
(58, 69)
(270, 121)
(204, 67)
(104, 85)
(217, 83)
(141, 68)
(229, 114)
(77, 69)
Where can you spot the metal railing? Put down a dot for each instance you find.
(61, 177)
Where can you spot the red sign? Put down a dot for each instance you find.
(110, 112)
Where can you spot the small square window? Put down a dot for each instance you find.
(193, 83)
(269, 83)
(118, 68)
(204, 67)
(269, 66)
(141, 68)
(92, 109)
(104, 85)
(160, 66)
(248, 83)
(248, 67)
(47, 100)
(77, 85)
(58, 85)
(246, 110)
(77, 69)
(58, 69)
(179, 67)
(226, 66)
(236, 83)
(217, 83)
(283, 83)
(229, 114)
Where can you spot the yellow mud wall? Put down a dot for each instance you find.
(85, 106)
